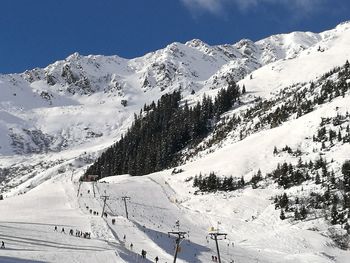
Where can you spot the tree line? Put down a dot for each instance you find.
(161, 131)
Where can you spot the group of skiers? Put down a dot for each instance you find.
(77, 233)
(214, 258)
(144, 253)
(95, 213)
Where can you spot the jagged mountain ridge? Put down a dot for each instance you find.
(74, 109)
(79, 82)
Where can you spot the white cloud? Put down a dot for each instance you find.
(213, 6)
(218, 6)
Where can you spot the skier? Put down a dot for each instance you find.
(2, 244)
(156, 259)
(62, 231)
(55, 228)
(131, 246)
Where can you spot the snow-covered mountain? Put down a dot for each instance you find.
(79, 88)
(55, 121)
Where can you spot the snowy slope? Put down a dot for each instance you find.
(80, 89)
(306, 66)
(55, 121)
(27, 228)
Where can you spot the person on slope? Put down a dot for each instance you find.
(2, 244)
(156, 259)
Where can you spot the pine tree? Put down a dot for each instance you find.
(284, 201)
(317, 178)
(339, 137)
(282, 215)
(297, 215)
(243, 89)
(311, 164)
(275, 151)
(195, 181)
(300, 163)
(256, 179)
(303, 212)
(242, 182)
(346, 201)
(346, 175)
(334, 215)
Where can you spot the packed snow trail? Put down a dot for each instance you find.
(149, 222)
(27, 225)
(152, 214)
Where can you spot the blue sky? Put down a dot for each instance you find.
(34, 33)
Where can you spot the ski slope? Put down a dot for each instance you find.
(45, 191)
(305, 67)
(27, 227)
(255, 232)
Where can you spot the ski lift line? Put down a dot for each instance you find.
(97, 197)
(111, 210)
(135, 203)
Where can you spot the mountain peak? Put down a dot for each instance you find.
(195, 43)
(73, 57)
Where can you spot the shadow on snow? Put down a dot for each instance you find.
(17, 260)
(189, 250)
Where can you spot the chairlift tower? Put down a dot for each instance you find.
(124, 198)
(105, 198)
(217, 236)
(180, 235)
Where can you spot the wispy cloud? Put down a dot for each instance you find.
(212, 6)
(218, 6)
